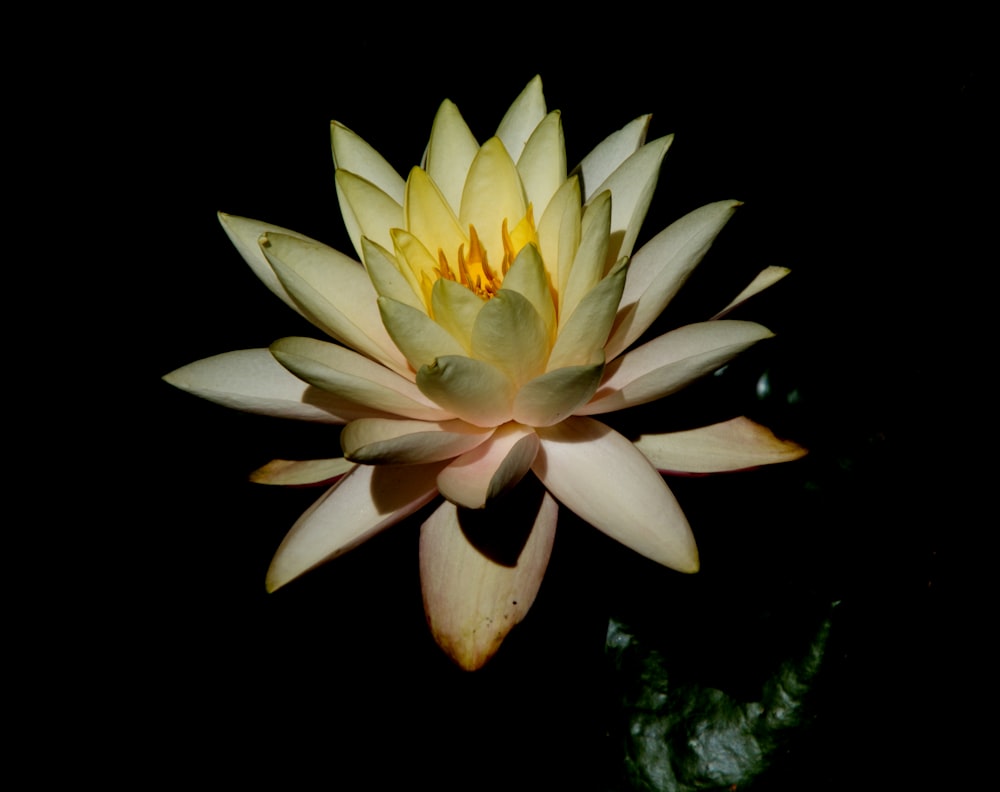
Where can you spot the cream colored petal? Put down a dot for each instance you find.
(455, 308)
(470, 389)
(417, 265)
(559, 233)
(352, 153)
(587, 329)
(671, 362)
(420, 338)
(253, 381)
(492, 468)
(493, 193)
(510, 335)
(336, 294)
(244, 234)
(450, 152)
(369, 499)
(367, 211)
(661, 267)
(372, 389)
(528, 278)
(473, 600)
(380, 441)
(610, 153)
(736, 444)
(301, 473)
(430, 219)
(557, 394)
(542, 164)
(764, 280)
(387, 277)
(589, 262)
(524, 115)
(632, 185)
(602, 477)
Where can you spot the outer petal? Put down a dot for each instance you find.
(367, 211)
(599, 475)
(736, 444)
(586, 331)
(352, 153)
(382, 441)
(355, 379)
(472, 600)
(490, 469)
(253, 381)
(387, 277)
(559, 233)
(520, 120)
(604, 160)
(301, 473)
(766, 278)
(670, 362)
(589, 262)
(660, 268)
(367, 500)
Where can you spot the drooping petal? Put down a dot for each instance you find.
(510, 334)
(420, 338)
(473, 600)
(611, 152)
(390, 441)
(477, 477)
(521, 119)
(367, 211)
(371, 388)
(301, 473)
(555, 395)
(336, 294)
(450, 152)
(586, 331)
(367, 500)
(736, 444)
(766, 278)
(493, 192)
(632, 185)
(542, 164)
(470, 389)
(245, 234)
(660, 268)
(670, 362)
(352, 153)
(598, 474)
(253, 381)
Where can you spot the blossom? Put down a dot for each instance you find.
(494, 311)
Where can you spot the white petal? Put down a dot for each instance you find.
(599, 475)
(736, 444)
(367, 210)
(253, 381)
(766, 278)
(542, 164)
(524, 115)
(352, 153)
(367, 500)
(477, 477)
(402, 442)
(301, 473)
(670, 362)
(472, 601)
(600, 163)
(661, 266)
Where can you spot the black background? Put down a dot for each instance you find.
(856, 152)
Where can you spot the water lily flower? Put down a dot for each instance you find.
(490, 322)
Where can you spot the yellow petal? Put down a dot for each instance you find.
(301, 473)
(559, 233)
(493, 193)
(524, 115)
(430, 219)
(388, 278)
(367, 211)
(542, 164)
(450, 152)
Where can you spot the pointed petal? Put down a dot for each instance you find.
(471, 389)
(367, 500)
(471, 600)
(490, 469)
(455, 308)
(528, 278)
(765, 279)
(586, 331)
(511, 335)
(736, 444)
(559, 234)
(660, 268)
(599, 475)
(335, 293)
(253, 381)
(555, 395)
(588, 266)
(524, 115)
(380, 441)
(429, 217)
(387, 277)
(493, 192)
(670, 362)
(244, 234)
(610, 153)
(301, 473)
(542, 164)
(450, 152)
(420, 338)
(372, 389)
(352, 153)
(367, 211)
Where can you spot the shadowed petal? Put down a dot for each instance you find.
(473, 594)
(301, 473)
(736, 444)
(598, 474)
(471, 389)
(490, 469)
(391, 441)
(555, 395)
(365, 501)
